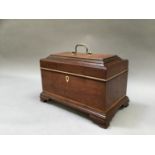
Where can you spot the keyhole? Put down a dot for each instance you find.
(67, 78)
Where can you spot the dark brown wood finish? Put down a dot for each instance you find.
(92, 83)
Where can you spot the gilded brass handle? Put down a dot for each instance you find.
(82, 45)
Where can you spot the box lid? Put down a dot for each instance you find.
(100, 66)
(84, 56)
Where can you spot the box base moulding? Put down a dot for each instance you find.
(100, 117)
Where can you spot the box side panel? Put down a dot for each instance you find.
(116, 67)
(116, 89)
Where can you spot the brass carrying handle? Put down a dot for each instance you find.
(82, 45)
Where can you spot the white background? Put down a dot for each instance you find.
(24, 42)
(88, 144)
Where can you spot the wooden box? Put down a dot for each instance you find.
(92, 83)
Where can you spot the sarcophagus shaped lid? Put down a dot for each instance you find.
(89, 65)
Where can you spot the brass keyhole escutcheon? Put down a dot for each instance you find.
(67, 78)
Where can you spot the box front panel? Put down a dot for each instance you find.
(86, 91)
(54, 83)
